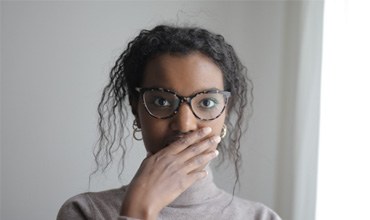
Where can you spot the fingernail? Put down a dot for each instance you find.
(217, 139)
(207, 130)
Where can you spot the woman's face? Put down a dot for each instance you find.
(185, 75)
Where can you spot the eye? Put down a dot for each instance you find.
(208, 103)
(161, 102)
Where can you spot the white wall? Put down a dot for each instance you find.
(56, 57)
(1, 133)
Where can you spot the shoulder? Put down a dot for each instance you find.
(233, 207)
(93, 205)
(254, 210)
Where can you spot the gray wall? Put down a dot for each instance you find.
(55, 61)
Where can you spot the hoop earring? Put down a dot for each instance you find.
(136, 130)
(223, 131)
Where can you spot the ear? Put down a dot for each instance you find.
(134, 109)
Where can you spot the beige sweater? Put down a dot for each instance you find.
(202, 201)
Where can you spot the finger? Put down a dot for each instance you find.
(187, 140)
(195, 176)
(199, 161)
(190, 179)
(206, 145)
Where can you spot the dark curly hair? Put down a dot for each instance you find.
(127, 74)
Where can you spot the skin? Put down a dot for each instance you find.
(179, 148)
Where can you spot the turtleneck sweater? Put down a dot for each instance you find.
(203, 200)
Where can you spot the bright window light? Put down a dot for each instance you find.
(344, 151)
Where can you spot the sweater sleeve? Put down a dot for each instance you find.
(265, 213)
(80, 207)
(76, 208)
(126, 218)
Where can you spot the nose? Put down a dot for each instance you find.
(184, 121)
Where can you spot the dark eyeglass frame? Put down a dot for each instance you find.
(182, 99)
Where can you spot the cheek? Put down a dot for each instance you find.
(153, 131)
(216, 125)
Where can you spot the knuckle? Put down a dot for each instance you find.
(200, 133)
(184, 141)
(211, 141)
(199, 160)
(165, 161)
(214, 140)
(195, 149)
(159, 158)
(170, 165)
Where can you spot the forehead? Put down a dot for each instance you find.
(184, 74)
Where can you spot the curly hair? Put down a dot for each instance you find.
(127, 74)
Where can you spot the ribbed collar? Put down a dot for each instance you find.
(200, 192)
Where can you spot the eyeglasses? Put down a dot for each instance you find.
(163, 103)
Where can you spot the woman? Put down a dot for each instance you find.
(183, 85)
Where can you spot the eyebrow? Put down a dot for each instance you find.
(177, 93)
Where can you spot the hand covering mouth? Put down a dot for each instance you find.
(173, 139)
